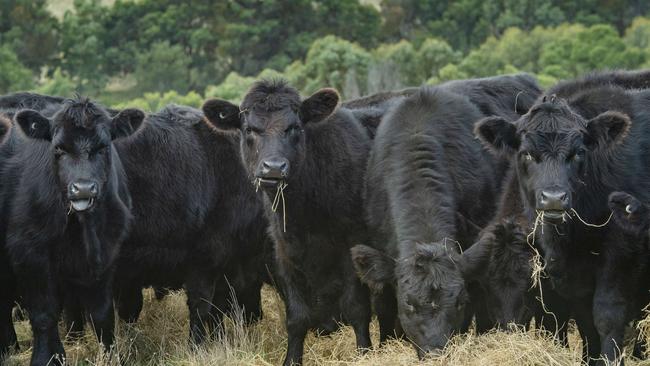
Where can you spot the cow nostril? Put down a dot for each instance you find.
(74, 188)
(93, 188)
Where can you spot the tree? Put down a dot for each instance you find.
(58, 84)
(328, 62)
(164, 67)
(83, 45)
(14, 76)
(30, 30)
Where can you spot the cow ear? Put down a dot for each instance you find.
(222, 114)
(319, 106)
(475, 259)
(373, 267)
(5, 127)
(126, 123)
(497, 134)
(34, 124)
(607, 129)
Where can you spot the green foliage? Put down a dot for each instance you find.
(58, 84)
(337, 63)
(14, 76)
(30, 30)
(153, 102)
(595, 48)
(164, 67)
(232, 88)
(638, 34)
(356, 46)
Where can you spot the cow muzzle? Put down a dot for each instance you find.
(553, 204)
(272, 171)
(82, 195)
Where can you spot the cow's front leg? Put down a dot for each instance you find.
(614, 300)
(298, 323)
(44, 306)
(98, 302)
(200, 288)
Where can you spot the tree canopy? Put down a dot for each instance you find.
(122, 51)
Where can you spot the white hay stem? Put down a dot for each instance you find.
(538, 268)
(592, 225)
(279, 196)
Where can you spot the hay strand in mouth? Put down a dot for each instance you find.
(536, 261)
(592, 225)
(258, 182)
(279, 196)
(538, 268)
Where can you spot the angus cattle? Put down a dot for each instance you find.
(308, 159)
(7, 281)
(424, 176)
(68, 210)
(569, 152)
(9, 140)
(197, 220)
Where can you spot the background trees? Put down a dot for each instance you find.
(119, 50)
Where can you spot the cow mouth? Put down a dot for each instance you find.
(269, 182)
(554, 215)
(81, 204)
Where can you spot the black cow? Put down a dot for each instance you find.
(429, 190)
(9, 141)
(308, 158)
(197, 220)
(7, 281)
(67, 212)
(568, 158)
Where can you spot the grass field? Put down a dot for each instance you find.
(160, 338)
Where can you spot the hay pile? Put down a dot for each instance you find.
(160, 338)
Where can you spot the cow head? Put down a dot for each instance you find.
(506, 280)
(551, 147)
(430, 284)
(271, 121)
(81, 135)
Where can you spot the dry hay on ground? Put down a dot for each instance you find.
(160, 338)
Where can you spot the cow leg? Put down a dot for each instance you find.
(73, 314)
(222, 303)
(98, 302)
(200, 289)
(251, 301)
(44, 307)
(385, 303)
(298, 323)
(7, 331)
(356, 309)
(129, 303)
(554, 315)
(582, 312)
(609, 318)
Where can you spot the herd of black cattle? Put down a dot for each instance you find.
(428, 206)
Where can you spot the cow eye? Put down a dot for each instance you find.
(292, 128)
(434, 306)
(578, 155)
(528, 157)
(248, 130)
(58, 151)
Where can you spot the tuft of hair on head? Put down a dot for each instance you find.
(82, 112)
(270, 95)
